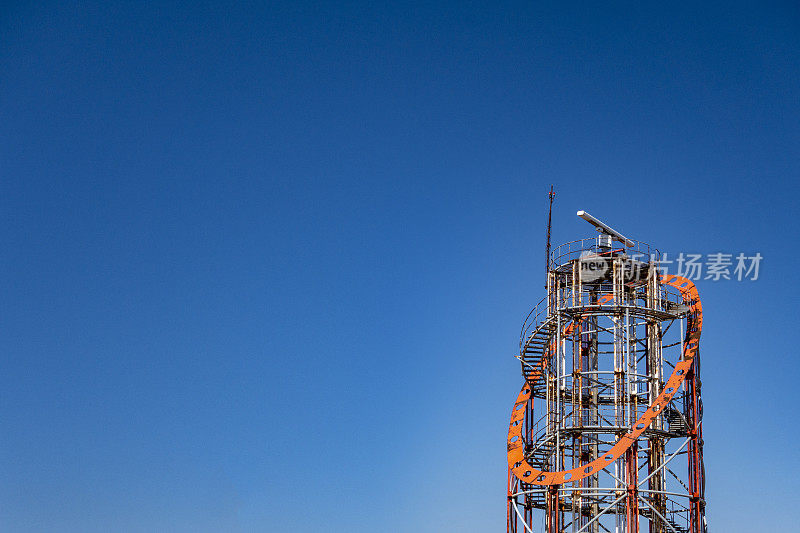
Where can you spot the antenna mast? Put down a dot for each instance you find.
(549, 221)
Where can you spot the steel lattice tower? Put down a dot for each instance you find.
(606, 432)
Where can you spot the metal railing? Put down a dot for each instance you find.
(671, 301)
(569, 251)
(532, 321)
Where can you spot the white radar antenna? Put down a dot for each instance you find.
(605, 230)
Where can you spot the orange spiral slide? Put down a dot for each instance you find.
(516, 451)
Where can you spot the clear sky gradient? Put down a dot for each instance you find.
(264, 266)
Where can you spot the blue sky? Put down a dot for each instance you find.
(265, 265)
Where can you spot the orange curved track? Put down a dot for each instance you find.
(516, 452)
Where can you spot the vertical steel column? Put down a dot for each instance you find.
(553, 522)
(695, 454)
(632, 497)
(655, 379)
